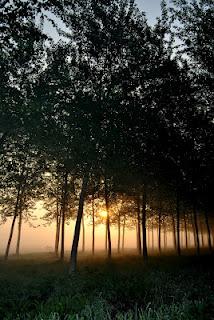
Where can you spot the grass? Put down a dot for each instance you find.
(170, 288)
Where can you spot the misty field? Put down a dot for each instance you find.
(38, 287)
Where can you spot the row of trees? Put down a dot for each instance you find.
(118, 110)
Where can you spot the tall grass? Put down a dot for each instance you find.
(38, 287)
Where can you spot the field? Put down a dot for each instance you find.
(38, 287)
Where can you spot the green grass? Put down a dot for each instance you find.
(170, 288)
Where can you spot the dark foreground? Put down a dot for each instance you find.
(38, 287)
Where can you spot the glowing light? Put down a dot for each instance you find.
(103, 214)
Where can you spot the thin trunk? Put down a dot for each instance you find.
(148, 238)
(83, 234)
(93, 224)
(118, 239)
(174, 232)
(185, 228)
(145, 253)
(106, 238)
(137, 244)
(159, 228)
(152, 236)
(108, 219)
(188, 237)
(165, 236)
(58, 223)
(73, 257)
(196, 228)
(178, 223)
(64, 208)
(208, 230)
(193, 230)
(13, 223)
(123, 238)
(138, 226)
(202, 234)
(19, 232)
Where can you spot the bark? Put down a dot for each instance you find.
(118, 239)
(152, 236)
(13, 223)
(93, 224)
(123, 237)
(174, 232)
(58, 223)
(208, 230)
(108, 219)
(138, 226)
(202, 234)
(106, 238)
(178, 223)
(83, 234)
(137, 245)
(73, 256)
(19, 232)
(159, 228)
(63, 212)
(185, 229)
(145, 253)
(165, 236)
(148, 238)
(193, 231)
(196, 228)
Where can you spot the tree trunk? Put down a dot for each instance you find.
(174, 232)
(152, 236)
(165, 236)
(13, 223)
(159, 228)
(63, 212)
(185, 228)
(93, 224)
(19, 232)
(148, 237)
(73, 257)
(123, 238)
(202, 234)
(178, 223)
(208, 230)
(106, 237)
(118, 239)
(137, 244)
(138, 226)
(108, 219)
(83, 234)
(193, 231)
(196, 228)
(145, 253)
(58, 223)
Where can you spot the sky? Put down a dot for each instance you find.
(151, 8)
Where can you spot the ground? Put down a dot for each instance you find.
(38, 287)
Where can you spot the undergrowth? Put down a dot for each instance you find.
(127, 288)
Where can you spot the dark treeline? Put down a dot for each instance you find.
(116, 115)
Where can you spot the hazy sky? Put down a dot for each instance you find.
(151, 8)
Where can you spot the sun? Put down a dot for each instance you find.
(103, 214)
